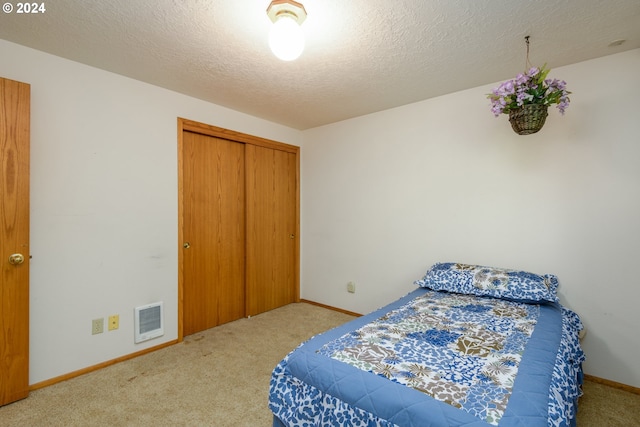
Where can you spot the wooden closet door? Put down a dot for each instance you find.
(214, 231)
(15, 98)
(271, 228)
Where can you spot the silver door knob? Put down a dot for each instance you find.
(16, 259)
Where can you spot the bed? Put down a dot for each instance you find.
(471, 346)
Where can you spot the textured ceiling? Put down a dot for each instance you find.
(361, 56)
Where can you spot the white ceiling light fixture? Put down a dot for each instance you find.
(286, 38)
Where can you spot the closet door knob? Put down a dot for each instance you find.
(186, 245)
(16, 259)
(292, 236)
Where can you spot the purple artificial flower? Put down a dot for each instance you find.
(528, 88)
(521, 79)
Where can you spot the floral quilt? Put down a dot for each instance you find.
(311, 387)
(459, 349)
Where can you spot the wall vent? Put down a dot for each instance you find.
(149, 323)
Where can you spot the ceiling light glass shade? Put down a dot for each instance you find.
(286, 38)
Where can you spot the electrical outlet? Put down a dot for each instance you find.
(351, 287)
(97, 326)
(114, 322)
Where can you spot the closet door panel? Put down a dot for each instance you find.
(271, 228)
(214, 228)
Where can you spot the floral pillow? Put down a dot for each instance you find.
(502, 283)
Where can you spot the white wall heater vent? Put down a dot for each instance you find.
(149, 322)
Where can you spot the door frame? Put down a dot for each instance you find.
(186, 125)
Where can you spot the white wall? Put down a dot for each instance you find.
(386, 195)
(104, 208)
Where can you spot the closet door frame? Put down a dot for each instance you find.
(185, 125)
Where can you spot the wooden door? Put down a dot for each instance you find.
(14, 240)
(271, 228)
(213, 211)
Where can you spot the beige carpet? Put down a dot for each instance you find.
(605, 406)
(220, 377)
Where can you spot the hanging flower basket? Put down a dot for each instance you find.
(526, 99)
(528, 119)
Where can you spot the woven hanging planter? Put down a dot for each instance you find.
(528, 119)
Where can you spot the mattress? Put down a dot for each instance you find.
(402, 365)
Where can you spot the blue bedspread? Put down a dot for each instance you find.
(333, 379)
